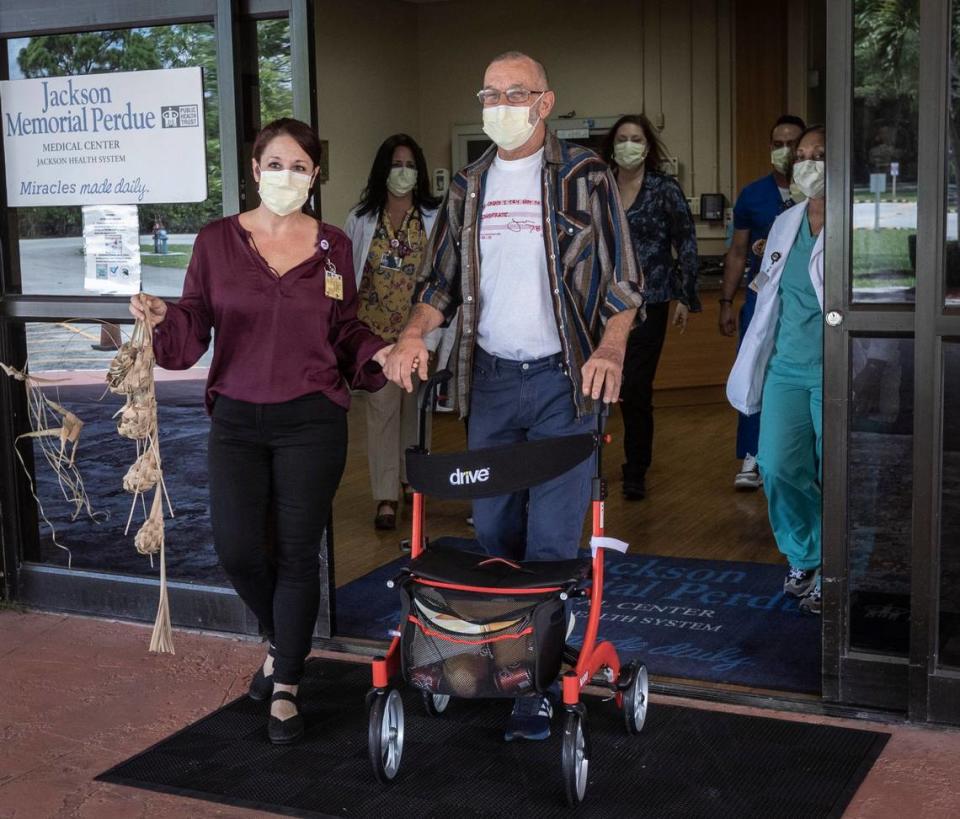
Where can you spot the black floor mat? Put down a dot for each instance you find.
(686, 763)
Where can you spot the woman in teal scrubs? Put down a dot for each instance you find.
(781, 364)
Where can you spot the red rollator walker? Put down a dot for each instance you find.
(477, 626)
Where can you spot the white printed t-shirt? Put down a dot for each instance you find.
(516, 319)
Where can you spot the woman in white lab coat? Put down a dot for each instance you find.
(389, 229)
(780, 368)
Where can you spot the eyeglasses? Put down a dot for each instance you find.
(515, 95)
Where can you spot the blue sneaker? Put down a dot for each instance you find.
(530, 718)
(813, 602)
(800, 582)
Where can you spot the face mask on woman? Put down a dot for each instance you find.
(629, 154)
(401, 181)
(509, 125)
(284, 192)
(809, 175)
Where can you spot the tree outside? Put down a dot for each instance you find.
(276, 76)
(886, 131)
(885, 137)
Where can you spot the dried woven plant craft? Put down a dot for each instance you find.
(143, 474)
(131, 370)
(138, 417)
(56, 432)
(149, 540)
(131, 374)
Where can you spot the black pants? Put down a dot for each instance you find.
(274, 469)
(639, 369)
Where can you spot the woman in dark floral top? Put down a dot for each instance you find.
(660, 223)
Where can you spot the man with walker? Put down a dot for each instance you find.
(532, 246)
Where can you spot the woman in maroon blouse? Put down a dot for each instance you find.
(278, 287)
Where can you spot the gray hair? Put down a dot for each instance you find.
(519, 55)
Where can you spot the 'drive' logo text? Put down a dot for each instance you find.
(461, 477)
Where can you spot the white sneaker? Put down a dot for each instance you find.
(749, 475)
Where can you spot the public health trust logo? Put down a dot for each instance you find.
(179, 116)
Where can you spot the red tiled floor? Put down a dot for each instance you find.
(80, 695)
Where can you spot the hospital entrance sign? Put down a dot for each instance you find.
(132, 138)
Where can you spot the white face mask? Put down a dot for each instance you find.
(780, 158)
(509, 125)
(809, 175)
(401, 181)
(629, 154)
(284, 192)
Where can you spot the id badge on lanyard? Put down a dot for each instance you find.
(332, 281)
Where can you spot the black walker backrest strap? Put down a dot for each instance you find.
(499, 470)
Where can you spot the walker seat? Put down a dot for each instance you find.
(442, 564)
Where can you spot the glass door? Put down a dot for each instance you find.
(255, 64)
(869, 350)
(891, 476)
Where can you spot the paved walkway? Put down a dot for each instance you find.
(56, 266)
(80, 695)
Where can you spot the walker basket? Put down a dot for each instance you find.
(468, 644)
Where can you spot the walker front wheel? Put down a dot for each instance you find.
(435, 704)
(576, 757)
(385, 733)
(635, 699)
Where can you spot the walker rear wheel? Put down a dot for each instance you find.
(635, 699)
(435, 704)
(385, 733)
(576, 757)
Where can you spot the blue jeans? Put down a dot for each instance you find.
(748, 426)
(515, 401)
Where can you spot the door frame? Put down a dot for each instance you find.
(934, 691)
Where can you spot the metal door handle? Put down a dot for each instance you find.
(834, 318)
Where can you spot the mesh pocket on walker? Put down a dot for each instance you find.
(480, 645)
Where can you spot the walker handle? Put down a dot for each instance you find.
(428, 400)
(603, 413)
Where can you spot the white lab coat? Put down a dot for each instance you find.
(360, 229)
(745, 384)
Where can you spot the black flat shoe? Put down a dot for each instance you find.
(386, 520)
(261, 686)
(285, 731)
(634, 490)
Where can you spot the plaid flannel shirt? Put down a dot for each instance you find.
(590, 260)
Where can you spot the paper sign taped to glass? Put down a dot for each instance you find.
(111, 249)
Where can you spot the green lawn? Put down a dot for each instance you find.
(179, 256)
(876, 251)
(902, 196)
